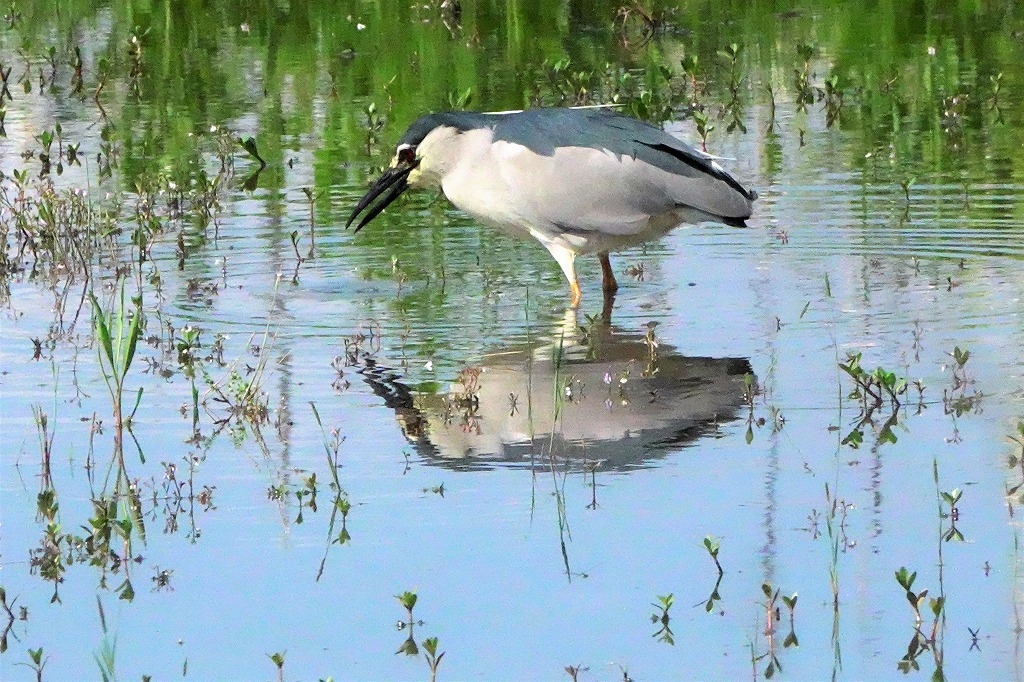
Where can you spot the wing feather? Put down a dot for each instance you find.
(623, 171)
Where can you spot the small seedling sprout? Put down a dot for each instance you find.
(37, 662)
(712, 545)
(408, 600)
(664, 603)
(278, 659)
(433, 658)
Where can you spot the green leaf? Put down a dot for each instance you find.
(135, 516)
(102, 329)
(407, 599)
(134, 332)
(430, 644)
(409, 648)
(138, 401)
(249, 145)
(905, 578)
(126, 592)
(852, 366)
(712, 545)
(343, 537)
(854, 438)
(117, 336)
(886, 436)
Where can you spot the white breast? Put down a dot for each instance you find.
(476, 185)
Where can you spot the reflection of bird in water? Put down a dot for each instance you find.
(577, 180)
(621, 399)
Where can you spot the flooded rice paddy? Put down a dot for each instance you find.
(237, 439)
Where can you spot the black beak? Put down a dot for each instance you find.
(388, 187)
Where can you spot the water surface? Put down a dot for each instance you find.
(538, 477)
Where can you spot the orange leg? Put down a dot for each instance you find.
(577, 293)
(566, 258)
(607, 276)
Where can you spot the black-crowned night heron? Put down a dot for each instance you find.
(577, 180)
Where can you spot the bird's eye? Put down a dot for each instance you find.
(406, 154)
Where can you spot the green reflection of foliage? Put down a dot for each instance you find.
(916, 82)
(210, 63)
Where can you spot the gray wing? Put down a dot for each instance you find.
(597, 170)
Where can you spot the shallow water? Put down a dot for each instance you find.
(582, 464)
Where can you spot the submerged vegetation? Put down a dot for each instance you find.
(207, 383)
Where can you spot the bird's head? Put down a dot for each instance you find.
(423, 156)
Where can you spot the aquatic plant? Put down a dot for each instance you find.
(664, 634)
(906, 183)
(871, 389)
(960, 358)
(1016, 460)
(791, 638)
(375, 123)
(920, 642)
(37, 662)
(433, 658)
(689, 64)
(573, 671)
(712, 546)
(408, 600)
(409, 647)
(460, 99)
(916, 600)
(250, 147)
(771, 616)
(106, 657)
(951, 498)
(648, 21)
(834, 99)
(802, 75)
(704, 127)
(117, 332)
(311, 197)
(8, 608)
(277, 658)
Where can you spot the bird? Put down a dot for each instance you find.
(578, 180)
